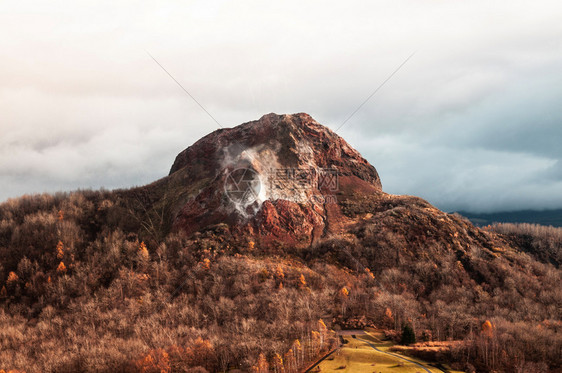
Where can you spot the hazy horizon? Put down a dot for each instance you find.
(472, 122)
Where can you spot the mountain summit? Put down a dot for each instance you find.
(278, 141)
(279, 177)
(288, 180)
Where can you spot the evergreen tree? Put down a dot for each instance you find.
(408, 335)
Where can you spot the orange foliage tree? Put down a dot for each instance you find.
(323, 332)
(200, 353)
(155, 361)
(298, 351)
(60, 250)
(278, 364)
(143, 252)
(389, 318)
(12, 278)
(61, 268)
(344, 294)
(12, 281)
(290, 362)
(262, 365)
(279, 276)
(487, 329)
(302, 281)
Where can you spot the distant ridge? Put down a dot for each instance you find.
(542, 217)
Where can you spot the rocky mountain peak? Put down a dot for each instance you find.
(294, 140)
(279, 177)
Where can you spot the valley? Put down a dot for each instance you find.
(367, 351)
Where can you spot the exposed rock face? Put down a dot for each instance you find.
(292, 140)
(280, 178)
(287, 181)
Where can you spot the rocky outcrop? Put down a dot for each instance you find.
(280, 178)
(287, 181)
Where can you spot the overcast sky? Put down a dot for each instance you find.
(473, 121)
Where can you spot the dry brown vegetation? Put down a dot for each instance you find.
(544, 243)
(87, 285)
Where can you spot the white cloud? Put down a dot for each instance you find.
(473, 114)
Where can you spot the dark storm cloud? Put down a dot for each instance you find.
(472, 121)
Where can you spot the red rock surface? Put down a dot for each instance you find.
(285, 211)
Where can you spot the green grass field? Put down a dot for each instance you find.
(358, 356)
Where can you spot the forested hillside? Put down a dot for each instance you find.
(194, 273)
(86, 288)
